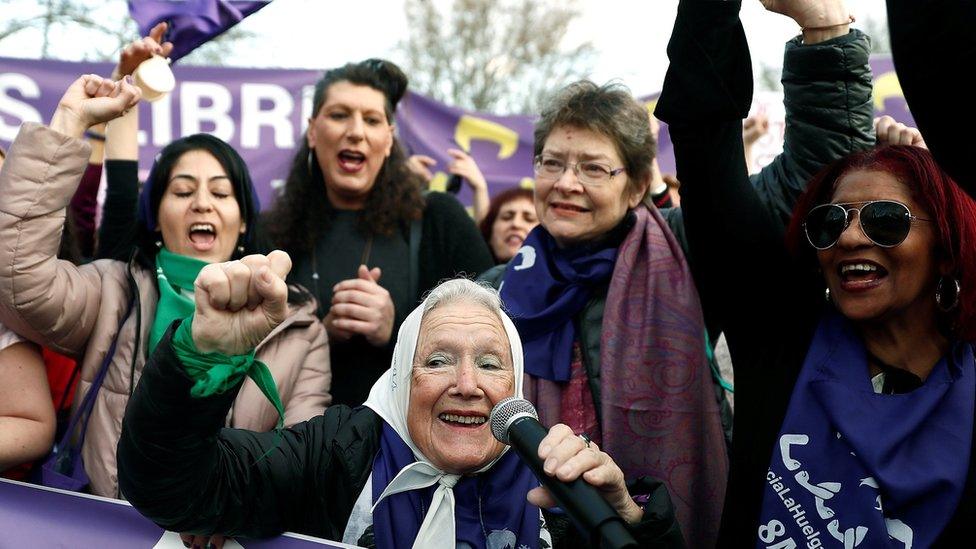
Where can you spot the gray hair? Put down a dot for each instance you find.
(608, 110)
(462, 289)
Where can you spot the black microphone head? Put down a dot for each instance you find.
(505, 412)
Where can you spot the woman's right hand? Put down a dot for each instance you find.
(142, 49)
(92, 100)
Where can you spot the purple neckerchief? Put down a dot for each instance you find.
(490, 508)
(852, 468)
(544, 288)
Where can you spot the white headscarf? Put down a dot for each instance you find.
(390, 399)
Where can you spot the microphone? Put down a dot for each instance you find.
(515, 422)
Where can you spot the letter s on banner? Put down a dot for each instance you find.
(193, 113)
(26, 87)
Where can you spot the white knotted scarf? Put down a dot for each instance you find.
(390, 399)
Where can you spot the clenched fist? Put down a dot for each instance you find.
(238, 303)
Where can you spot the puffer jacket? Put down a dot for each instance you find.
(78, 310)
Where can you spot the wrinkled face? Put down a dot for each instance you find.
(868, 282)
(351, 139)
(199, 215)
(515, 219)
(462, 367)
(574, 213)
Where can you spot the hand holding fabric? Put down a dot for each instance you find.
(568, 457)
(238, 303)
(140, 50)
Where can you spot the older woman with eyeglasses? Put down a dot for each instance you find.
(851, 341)
(607, 310)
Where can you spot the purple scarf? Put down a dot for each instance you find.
(488, 506)
(545, 288)
(866, 469)
(659, 416)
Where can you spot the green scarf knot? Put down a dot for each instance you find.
(216, 373)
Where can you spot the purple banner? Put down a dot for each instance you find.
(263, 114)
(35, 516)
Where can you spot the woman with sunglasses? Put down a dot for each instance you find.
(851, 341)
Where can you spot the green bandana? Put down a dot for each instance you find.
(214, 373)
(175, 274)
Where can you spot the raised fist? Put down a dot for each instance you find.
(92, 100)
(238, 303)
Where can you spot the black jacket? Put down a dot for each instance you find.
(768, 303)
(186, 473)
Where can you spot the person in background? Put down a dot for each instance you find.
(510, 217)
(198, 207)
(464, 166)
(364, 238)
(753, 129)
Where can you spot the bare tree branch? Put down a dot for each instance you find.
(493, 55)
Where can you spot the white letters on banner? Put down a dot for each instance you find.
(10, 106)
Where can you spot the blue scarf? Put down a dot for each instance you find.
(544, 288)
(490, 510)
(866, 469)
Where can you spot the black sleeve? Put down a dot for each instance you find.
(116, 234)
(451, 244)
(827, 94)
(186, 473)
(738, 253)
(658, 528)
(934, 52)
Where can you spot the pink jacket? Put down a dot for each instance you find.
(76, 310)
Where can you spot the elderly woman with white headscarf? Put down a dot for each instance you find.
(417, 465)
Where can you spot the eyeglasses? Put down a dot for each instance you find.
(589, 172)
(884, 222)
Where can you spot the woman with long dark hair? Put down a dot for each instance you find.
(364, 238)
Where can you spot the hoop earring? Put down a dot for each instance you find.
(940, 294)
(827, 295)
(159, 244)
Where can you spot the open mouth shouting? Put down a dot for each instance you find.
(351, 161)
(202, 236)
(860, 275)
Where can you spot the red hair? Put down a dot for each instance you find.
(495, 206)
(953, 212)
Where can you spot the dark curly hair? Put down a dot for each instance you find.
(303, 209)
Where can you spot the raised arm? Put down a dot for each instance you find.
(827, 94)
(934, 50)
(50, 301)
(176, 464)
(117, 230)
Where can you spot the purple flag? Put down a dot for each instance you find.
(191, 22)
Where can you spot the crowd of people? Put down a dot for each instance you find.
(328, 364)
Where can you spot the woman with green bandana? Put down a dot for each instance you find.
(198, 207)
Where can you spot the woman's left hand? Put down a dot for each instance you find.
(361, 306)
(568, 457)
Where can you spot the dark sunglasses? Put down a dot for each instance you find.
(884, 222)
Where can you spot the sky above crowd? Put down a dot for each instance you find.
(630, 36)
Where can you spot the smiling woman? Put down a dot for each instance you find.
(417, 466)
(197, 208)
